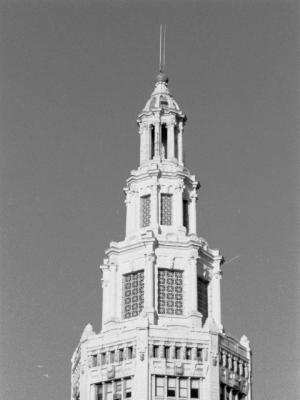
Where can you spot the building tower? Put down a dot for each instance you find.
(162, 335)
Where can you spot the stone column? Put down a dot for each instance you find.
(157, 141)
(114, 269)
(93, 392)
(148, 142)
(129, 211)
(192, 286)
(180, 147)
(193, 213)
(149, 283)
(154, 204)
(105, 290)
(178, 206)
(142, 144)
(171, 141)
(216, 296)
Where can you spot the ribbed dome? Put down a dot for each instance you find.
(161, 97)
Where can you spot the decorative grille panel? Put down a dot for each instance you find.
(145, 210)
(202, 298)
(133, 294)
(170, 288)
(166, 209)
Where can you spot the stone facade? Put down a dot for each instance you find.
(162, 336)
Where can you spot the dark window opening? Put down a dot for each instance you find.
(199, 354)
(176, 143)
(164, 141)
(155, 351)
(171, 393)
(129, 353)
(152, 141)
(177, 353)
(202, 298)
(186, 214)
(188, 353)
(99, 392)
(167, 352)
(194, 389)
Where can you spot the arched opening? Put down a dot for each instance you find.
(164, 141)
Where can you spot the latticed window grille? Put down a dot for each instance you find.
(166, 209)
(202, 297)
(145, 210)
(133, 294)
(170, 288)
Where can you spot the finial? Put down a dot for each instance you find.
(162, 77)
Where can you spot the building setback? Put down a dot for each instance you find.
(162, 335)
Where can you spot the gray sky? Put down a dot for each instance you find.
(73, 77)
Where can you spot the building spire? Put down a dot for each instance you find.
(162, 77)
(162, 47)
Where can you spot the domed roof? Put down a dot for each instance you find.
(161, 96)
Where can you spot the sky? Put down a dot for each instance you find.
(73, 77)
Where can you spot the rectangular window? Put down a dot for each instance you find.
(183, 388)
(171, 389)
(178, 353)
(99, 391)
(128, 390)
(228, 393)
(194, 389)
(159, 386)
(118, 387)
(188, 353)
(170, 298)
(202, 298)
(167, 352)
(186, 214)
(155, 351)
(94, 360)
(222, 392)
(121, 355)
(109, 394)
(103, 358)
(166, 209)
(199, 354)
(112, 356)
(129, 353)
(133, 294)
(145, 210)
